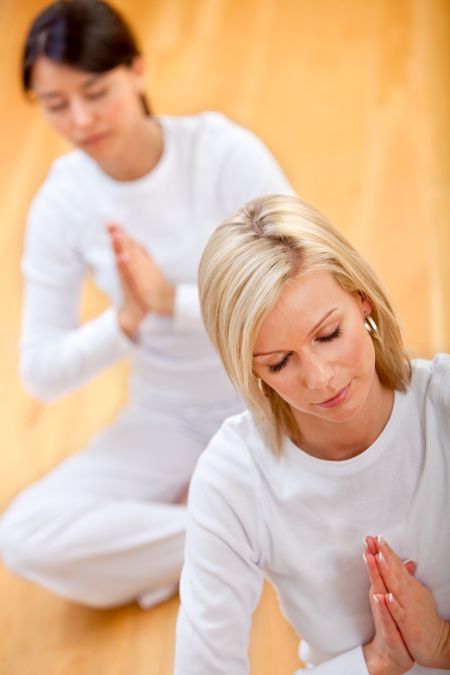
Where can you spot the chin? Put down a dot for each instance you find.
(103, 150)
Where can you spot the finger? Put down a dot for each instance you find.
(392, 559)
(113, 230)
(393, 571)
(371, 545)
(376, 581)
(374, 601)
(124, 253)
(117, 239)
(410, 566)
(128, 281)
(143, 260)
(399, 617)
(386, 572)
(136, 252)
(143, 250)
(117, 233)
(384, 623)
(131, 247)
(396, 611)
(387, 627)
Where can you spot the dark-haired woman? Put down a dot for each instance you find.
(134, 203)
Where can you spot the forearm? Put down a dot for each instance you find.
(55, 362)
(377, 665)
(352, 661)
(443, 652)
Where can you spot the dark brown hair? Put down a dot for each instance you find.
(88, 35)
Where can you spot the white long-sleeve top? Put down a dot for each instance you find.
(209, 168)
(301, 521)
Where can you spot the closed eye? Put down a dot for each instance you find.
(57, 107)
(324, 338)
(279, 366)
(329, 338)
(96, 94)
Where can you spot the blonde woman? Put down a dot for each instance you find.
(335, 483)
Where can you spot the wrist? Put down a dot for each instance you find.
(166, 305)
(378, 665)
(129, 321)
(443, 651)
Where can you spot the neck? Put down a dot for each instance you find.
(139, 154)
(344, 440)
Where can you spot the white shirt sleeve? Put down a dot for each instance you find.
(221, 581)
(352, 662)
(58, 354)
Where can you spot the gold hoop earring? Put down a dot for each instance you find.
(372, 328)
(260, 384)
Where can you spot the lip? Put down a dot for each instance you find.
(92, 140)
(336, 400)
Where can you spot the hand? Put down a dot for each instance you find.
(144, 286)
(386, 654)
(413, 608)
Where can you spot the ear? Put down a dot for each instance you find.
(138, 70)
(364, 304)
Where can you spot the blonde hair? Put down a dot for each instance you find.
(244, 266)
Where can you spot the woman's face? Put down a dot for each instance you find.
(96, 112)
(314, 351)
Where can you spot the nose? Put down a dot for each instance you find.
(81, 115)
(317, 372)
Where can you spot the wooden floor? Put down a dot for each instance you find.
(352, 97)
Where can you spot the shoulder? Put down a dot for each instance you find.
(205, 121)
(210, 129)
(66, 181)
(233, 444)
(55, 221)
(431, 380)
(73, 166)
(229, 463)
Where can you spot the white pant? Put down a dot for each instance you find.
(104, 527)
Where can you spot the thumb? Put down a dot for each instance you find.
(410, 566)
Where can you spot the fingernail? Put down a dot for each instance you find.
(381, 558)
(405, 562)
(364, 558)
(380, 540)
(390, 597)
(376, 599)
(366, 545)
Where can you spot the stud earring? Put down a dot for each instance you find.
(372, 328)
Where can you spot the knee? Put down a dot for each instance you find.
(26, 550)
(30, 548)
(26, 541)
(16, 548)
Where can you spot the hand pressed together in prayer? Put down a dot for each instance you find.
(408, 628)
(145, 288)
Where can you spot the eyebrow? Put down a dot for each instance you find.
(280, 351)
(92, 79)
